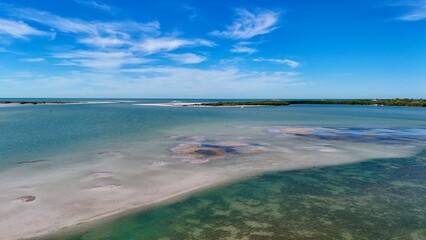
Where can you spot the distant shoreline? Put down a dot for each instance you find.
(364, 102)
(35, 102)
(229, 103)
(17, 102)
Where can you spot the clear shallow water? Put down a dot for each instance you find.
(377, 199)
(86, 160)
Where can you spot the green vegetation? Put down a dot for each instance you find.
(371, 102)
(33, 102)
(251, 103)
(374, 102)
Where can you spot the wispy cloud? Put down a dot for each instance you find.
(103, 42)
(187, 58)
(416, 10)
(154, 82)
(120, 29)
(18, 29)
(243, 47)
(134, 36)
(96, 5)
(290, 63)
(32, 60)
(155, 45)
(190, 11)
(215, 82)
(249, 24)
(133, 59)
(99, 60)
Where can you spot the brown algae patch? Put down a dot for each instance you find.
(203, 152)
(25, 199)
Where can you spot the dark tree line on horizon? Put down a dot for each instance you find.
(368, 102)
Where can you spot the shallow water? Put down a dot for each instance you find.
(32, 132)
(377, 199)
(85, 162)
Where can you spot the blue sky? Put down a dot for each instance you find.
(213, 49)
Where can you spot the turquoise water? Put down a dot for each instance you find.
(31, 132)
(377, 199)
(85, 160)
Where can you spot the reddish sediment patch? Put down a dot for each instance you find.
(205, 151)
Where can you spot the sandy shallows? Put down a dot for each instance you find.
(74, 189)
(204, 151)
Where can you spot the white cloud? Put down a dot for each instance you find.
(290, 63)
(111, 45)
(167, 82)
(99, 60)
(18, 29)
(97, 5)
(207, 83)
(417, 10)
(112, 60)
(121, 29)
(187, 58)
(111, 35)
(32, 60)
(206, 76)
(155, 45)
(242, 47)
(248, 25)
(103, 42)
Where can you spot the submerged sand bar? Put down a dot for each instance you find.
(107, 182)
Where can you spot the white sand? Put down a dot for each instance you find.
(170, 104)
(190, 104)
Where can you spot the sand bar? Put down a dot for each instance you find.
(57, 198)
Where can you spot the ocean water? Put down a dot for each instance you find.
(89, 162)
